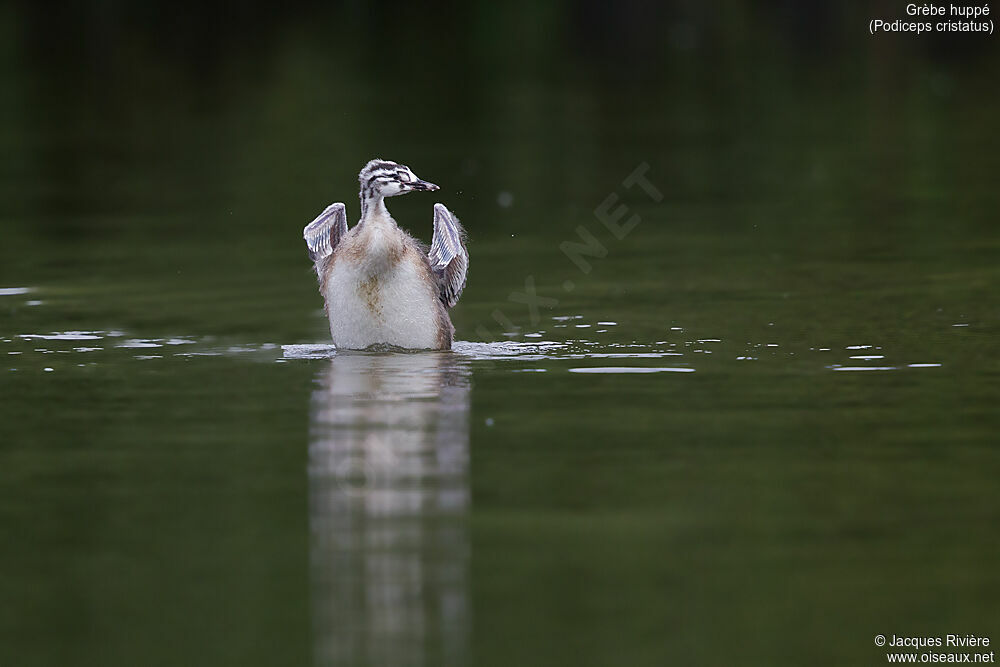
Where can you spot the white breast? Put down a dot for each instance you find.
(378, 292)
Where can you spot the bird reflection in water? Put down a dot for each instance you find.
(388, 495)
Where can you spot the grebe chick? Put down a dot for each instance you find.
(381, 286)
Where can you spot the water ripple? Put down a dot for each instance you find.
(629, 369)
(534, 354)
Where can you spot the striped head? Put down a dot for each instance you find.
(382, 178)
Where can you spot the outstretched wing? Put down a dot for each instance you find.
(449, 258)
(324, 233)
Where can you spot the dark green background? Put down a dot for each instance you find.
(823, 189)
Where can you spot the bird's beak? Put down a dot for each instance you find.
(423, 186)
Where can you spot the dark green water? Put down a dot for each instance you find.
(188, 476)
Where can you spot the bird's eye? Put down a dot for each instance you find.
(403, 176)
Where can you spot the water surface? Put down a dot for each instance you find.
(759, 428)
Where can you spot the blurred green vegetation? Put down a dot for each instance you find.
(150, 143)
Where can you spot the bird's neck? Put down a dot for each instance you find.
(380, 238)
(373, 208)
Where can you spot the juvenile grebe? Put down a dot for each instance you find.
(381, 286)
